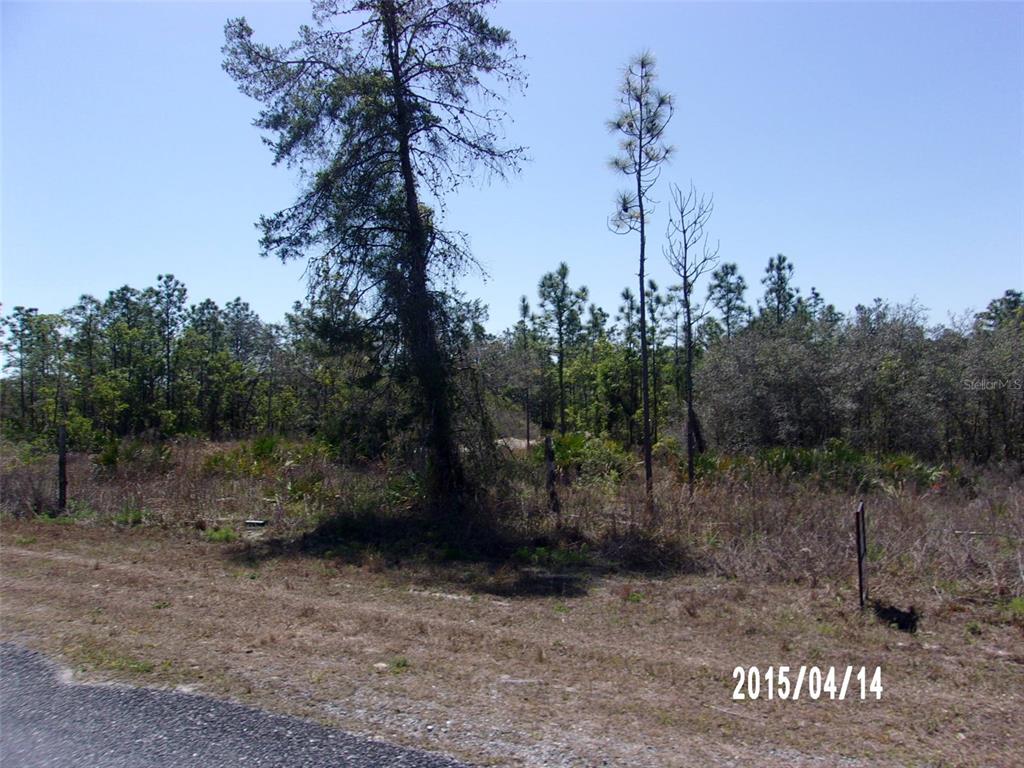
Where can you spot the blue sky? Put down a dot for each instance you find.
(879, 146)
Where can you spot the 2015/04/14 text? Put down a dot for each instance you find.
(789, 683)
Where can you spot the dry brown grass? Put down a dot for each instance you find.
(558, 655)
(960, 543)
(636, 671)
(179, 484)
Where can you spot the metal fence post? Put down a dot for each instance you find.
(862, 551)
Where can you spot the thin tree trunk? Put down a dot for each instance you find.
(527, 417)
(270, 394)
(526, 355)
(645, 397)
(21, 375)
(561, 381)
(691, 438)
(654, 398)
(698, 434)
(644, 382)
(677, 364)
(554, 505)
(168, 367)
(62, 468)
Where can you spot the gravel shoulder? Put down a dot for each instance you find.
(46, 719)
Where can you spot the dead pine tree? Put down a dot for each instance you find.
(690, 255)
(644, 113)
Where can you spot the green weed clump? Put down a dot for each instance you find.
(109, 456)
(263, 457)
(220, 535)
(130, 516)
(1014, 611)
(136, 456)
(553, 557)
(91, 654)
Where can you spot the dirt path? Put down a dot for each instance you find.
(634, 672)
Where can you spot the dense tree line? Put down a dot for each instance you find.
(145, 362)
(788, 371)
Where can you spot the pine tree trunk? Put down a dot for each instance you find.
(561, 381)
(691, 427)
(527, 417)
(445, 477)
(654, 395)
(62, 468)
(554, 505)
(644, 381)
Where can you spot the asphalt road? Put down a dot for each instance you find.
(45, 721)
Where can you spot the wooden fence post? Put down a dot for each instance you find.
(862, 551)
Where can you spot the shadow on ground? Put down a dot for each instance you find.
(480, 558)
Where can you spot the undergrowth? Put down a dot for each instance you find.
(775, 515)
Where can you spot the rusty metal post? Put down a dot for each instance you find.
(862, 551)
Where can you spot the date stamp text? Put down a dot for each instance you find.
(813, 683)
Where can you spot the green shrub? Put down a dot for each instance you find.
(109, 456)
(131, 451)
(136, 455)
(1015, 610)
(220, 535)
(557, 557)
(403, 490)
(707, 466)
(156, 457)
(130, 516)
(263, 456)
(669, 450)
(585, 456)
(308, 486)
(81, 434)
(39, 449)
(263, 448)
(56, 520)
(79, 510)
(236, 462)
(838, 465)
